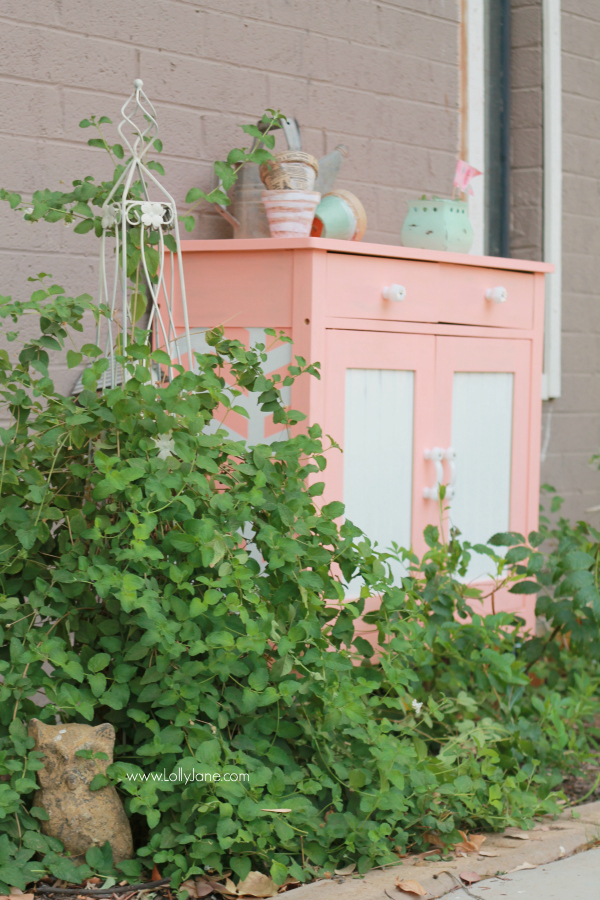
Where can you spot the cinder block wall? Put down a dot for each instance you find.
(571, 424)
(573, 421)
(381, 76)
(527, 130)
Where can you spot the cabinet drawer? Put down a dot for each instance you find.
(463, 296)
(434, 292)
(355, 287)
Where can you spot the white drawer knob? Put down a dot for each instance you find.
(496, 294)
(395, 292)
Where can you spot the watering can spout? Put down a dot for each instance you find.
(329, 167)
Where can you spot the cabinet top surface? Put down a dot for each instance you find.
(355, 248)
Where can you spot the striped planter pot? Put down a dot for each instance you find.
(290, 213)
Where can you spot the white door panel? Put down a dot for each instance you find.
(378, 453)
(482, 416)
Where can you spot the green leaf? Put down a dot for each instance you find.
(73, 359)
(84, 226)
(194, 194)
(98, 662)
(189, 222)
(65, 869)
(91, 350)
(526, 587)
(170, 243)
(279, 872)
(160, 356)
(97, 683)
(99, 781)
(137, 305)
(12, 874)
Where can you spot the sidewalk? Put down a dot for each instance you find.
(577, 878)
(550, 840)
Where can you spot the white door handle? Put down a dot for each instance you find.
(437, 455)
(395, 292)
(496, 294)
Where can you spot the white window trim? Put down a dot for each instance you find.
(552, 87)
(475, 113)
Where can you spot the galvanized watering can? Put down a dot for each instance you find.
(246, 213)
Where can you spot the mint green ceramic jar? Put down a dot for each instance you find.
(438, 225)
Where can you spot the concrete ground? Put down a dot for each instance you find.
(501, 854)
(577, 878)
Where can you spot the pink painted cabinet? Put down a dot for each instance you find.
(431, 371)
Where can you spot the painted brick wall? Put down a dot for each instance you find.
(574, 426)
(378, 75)
(526, 130)
(571, 424)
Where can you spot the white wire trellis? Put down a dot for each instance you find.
(155, 295)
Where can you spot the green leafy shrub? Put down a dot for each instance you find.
(182, 586)
(191, 591)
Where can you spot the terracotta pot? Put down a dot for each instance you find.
(292, 170)
(341, 215)
(290, 213)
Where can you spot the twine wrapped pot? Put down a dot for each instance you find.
(292, 170)
(290, 213)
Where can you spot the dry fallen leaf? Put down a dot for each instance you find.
(411, 887)
(470, 877)
(189, 886)
(434, 839)
(347, 870)
(524, 865)
(223, 889)
(470, 842)
(255, 884)
(517, 835)
(156, 876)
(290, 882)
(488, 853)
(203, 889)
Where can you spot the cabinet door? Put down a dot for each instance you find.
(378, 407)
(482, 412)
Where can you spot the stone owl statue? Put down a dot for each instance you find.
(80, 818)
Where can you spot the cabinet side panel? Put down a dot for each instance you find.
(308, 331)
(535, 412)
(239, 289)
